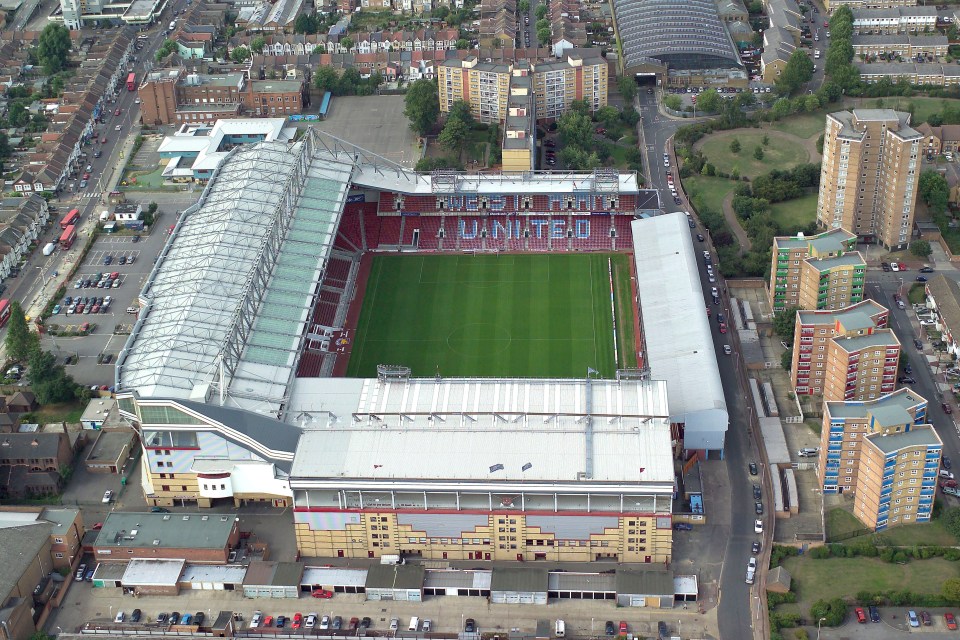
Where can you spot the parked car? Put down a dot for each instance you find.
(198, 618)
(926, 619)
(758, 507)
(298, 620)
(325, 623)
(255, 620)
(945, 462)
(756, 492)
(623, 626)
(682, 526)
(755, 547)
(926, 270)
(395, 624)
(365, 622)
(758, 526)
(753, 468)
(861, 615)
(322, 593)
(81, 571)
(918, 344)
(950, 620)
(175, 617)
(874, 613)
(946, 407)
(107, 497)
(609, 628)
(135, 615)
(354, 623)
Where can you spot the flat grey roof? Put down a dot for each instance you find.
(152, 572)
(851, 258)
(109, 445)
(586, 582)
(526, 579)
(904, 397)
(456, 579)
(879, 338)
(919, 435)
(395, 576)
(122, 529)
(648, 583)
(225, 573)
(334, 576)
(890, 415)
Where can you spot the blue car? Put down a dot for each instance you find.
(912, 616)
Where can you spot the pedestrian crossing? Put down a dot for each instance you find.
(89, 194)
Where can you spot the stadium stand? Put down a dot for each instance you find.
(350, 233)
(429, 230)
(338, 272)
(389, 230)
(371, 229)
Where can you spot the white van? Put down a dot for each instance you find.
(561, 629)
(414, 624)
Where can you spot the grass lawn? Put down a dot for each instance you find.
(779, 154)
(840, 522)
(844, 577)
(64, 412)
(917, 293)
(803, 125)
(143, 180)
(923, 107)
(488, 315)
(708, 192)
(795, 215)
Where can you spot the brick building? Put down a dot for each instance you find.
(192, 537)
(817, 272)
(30, 463)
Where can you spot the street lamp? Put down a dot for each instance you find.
(819, 622)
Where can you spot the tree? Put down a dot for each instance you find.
(20, 341)
(541, 11)
(462, 44)
(784, 323)
(460, 110)
(780, 109)
(346, 42)
(524, 6)
(544, 35)
(53, 48)
(758, 153)
(628, 88)
(422, 106)
(951, 521)
(325, 79)
(832, 611)
(305, 24)
(934, 191)
(50, 382)
(709, 101)
(608, 115)
(920, 248)
(672, 102)
(440, 13)
(240, 54)
(319, 49)
(629, 116)
(17, 115)
(168, 47)
(950, 589)
(5, 149)
(454, 134)
(576, 130)
(257, 44)
(798, 70)
(786, 359)
(735, 146)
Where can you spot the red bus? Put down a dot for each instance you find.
(68, 236)
(70, 218)
(132, 82)
(4, 311)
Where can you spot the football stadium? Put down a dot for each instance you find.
(443, 365)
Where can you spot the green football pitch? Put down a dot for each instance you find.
(495, 316)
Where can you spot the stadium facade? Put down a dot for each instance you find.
(228, 374)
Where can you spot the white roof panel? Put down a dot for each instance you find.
(677, 332)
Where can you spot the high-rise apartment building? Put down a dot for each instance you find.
(869, 175)
(818, 272)
(485, 86)
(861, 365)
(885, 454)
(815, 330)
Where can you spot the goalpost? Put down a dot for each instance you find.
(613, 314)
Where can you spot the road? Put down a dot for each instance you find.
(36, 281)
(736, 604)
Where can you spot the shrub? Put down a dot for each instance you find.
(832, 611)
(819, 553)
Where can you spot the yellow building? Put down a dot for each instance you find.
(818, 272)
(520, 126)
(884, 453)
(813, 332)
(485, 86)
(445, 476)
(861, 365)
(870, 174)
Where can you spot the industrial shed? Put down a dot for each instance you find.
(272, 580)
(215, 577)
(645, 589)
(153, 577)
(582, 586)
(519, 586)
(451, 582)
(337, 579)
(395, 582)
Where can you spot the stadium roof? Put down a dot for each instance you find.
(227, 303)
(684, 34)
(436, 430)
(681, 353)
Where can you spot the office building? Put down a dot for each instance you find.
(884, 453)
(869, 176)
(485, 86)
(815, 330)
(819, 272)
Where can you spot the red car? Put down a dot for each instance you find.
(117, 112)
(951, 621)
(97, 526)
(86, 176)
(322, 593)
(946, 408)
(297, 620)
(723, 327)
(902, 266)
(709, 312)
(861, 616)
(623, 627)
